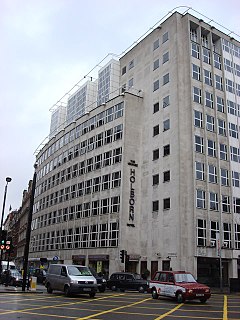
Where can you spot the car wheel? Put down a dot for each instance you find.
(92, 294)
(154, 294)
(122, 290)
(180, 298)
(141, 289)
(11, 283)
(114, 288)
(67, 291)
(203, 300)
(101, 289)
(49, 289)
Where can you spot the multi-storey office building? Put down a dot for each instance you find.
(155, 170)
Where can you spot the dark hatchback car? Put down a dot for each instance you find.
(127, 281)
(101, 282)
(14, 278)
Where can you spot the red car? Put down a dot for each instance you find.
(180, 285)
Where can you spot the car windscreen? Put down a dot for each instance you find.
(184, 277)
(15, 273)
(79, 271)
(137, 276)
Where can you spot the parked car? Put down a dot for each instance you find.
(180, 285)
(12, 277)
(71, 279)
(127, 281)
(40, 274)
(101, 282)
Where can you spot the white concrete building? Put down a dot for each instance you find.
(155, 170)
(58, 120)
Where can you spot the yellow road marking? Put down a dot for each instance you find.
(225, 310)
(169, 312)
(112, 310)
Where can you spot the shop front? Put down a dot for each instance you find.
(100, 263)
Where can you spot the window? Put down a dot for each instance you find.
(217, 61)
(165, 57)
(166, 150)
(218, 82)
(155, 130)
(106, 181)
(105, 206)
(156, 44)
(98, 162)
(99, 140)
(166, 125)
(166, 204)
(220, 104)
(166, 176)
(198, 119)
(124, 70)
(195, 50)
(166, 101)
(91, 143)
(155, 206)
(109, 115)
(209, 99)
(196, 72)
(230, 86)
(199, 170)
(212, 174)
(236, 205)
(208, 77)
(222, 151)
(130, 83)
(227, 234)
(155, 154)
(119, 110)
(117, 155)
(213, 201)
(97, 184)
(232, 107)
(234, 154)
(116, 179)
(209, 123)
(165, 37)
(236, 179)
(211, 148)
(214, 229)
(108, 136)
(206, 54)
(89, 164)
(155, 85)
(221, 127)
(200, 199)
(118, 130)
(237, 236)
(156, 64)
(197, 95)
(100, 119)
(131, 64)
(224, 177)
(199, 144)
(165, 79)
(226, 204)
(233, 130)
(88, 186)
(155, 179)
(107, 158)
(156, 107)
(201, 232)
(95, 208)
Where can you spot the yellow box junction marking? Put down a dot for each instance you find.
(225, 310)
(169, 312)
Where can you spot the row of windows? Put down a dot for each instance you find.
(108, 158)
(212, 151)
(165, 103)
(232, 67)
(166, 178)
(165, 80)
(231, 48)
(213, 201)
(91, 236)
(166, 205)
(78, 211)
(103, 138)
(213, 175)
(210, 124)
(206, 55)
(213, 230)
(156, 43)
(100, 119)
(166, 152)
(156, 63)
(97, 184)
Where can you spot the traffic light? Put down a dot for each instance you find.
(2, 244)
(122, 256)
(3, 237)
(8, 244)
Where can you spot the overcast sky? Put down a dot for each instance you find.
(47, 46)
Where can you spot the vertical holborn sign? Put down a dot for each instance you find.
(132, 194)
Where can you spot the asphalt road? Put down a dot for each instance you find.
(114, 305)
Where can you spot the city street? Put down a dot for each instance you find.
(117, 305)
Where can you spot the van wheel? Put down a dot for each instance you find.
(180, 298)
(141, 289)
(92, 294)
(154, 294)
(114, 288)
(49, 289)
(67, 291)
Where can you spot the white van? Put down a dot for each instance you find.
(10, 264)
(71, 279)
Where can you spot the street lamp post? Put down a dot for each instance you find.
(28, 231)
(8, 179)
